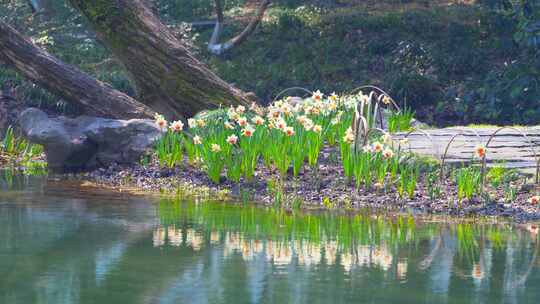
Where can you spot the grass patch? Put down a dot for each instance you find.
(18, 151)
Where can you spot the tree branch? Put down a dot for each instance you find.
(93, 96)
(34, 5)
(166, 75)
(217, 48)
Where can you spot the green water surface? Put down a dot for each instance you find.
(59, 246)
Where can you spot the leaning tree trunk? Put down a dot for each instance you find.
(93, 96)
(167, 77)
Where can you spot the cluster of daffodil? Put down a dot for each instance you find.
(290, 133)
(376, 164)
(169, 149)
(287, 134)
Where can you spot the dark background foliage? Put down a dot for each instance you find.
(454, 62)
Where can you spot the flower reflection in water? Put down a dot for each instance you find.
(279, 252)
(351, 242)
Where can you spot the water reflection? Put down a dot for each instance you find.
(440, 255)
(280, 252)
(68, 248)
(359, 241)
(13, 179)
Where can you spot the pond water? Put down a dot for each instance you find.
(59, 246)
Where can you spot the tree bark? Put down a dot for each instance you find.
(167, 77)
(93, 96)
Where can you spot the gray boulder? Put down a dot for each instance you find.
(85, 143)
